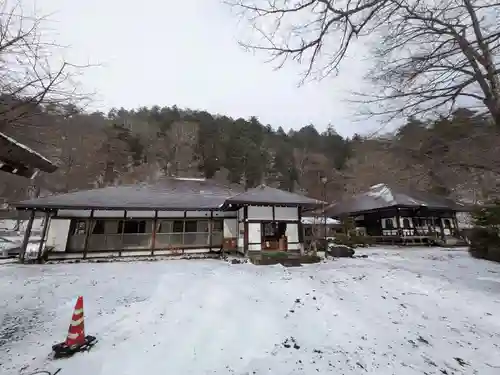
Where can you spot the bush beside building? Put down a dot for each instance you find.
(484, 237)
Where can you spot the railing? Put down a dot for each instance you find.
(129, 241)
(76, 242)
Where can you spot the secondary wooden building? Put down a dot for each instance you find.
(393, 215)
(172, 216)
(19, 159)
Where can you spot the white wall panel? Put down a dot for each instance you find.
(57, 236)
(225, 214)
(176, 214)
(109, 213)
(136, 253)
(254, 247)
(139, 214)
(74, 213)
(230, 228)
(104, 254)
(292, 232)
(241, 240)
(165, 252)
(64, 256)
(197, 213)
(254, 235)
(260, 213)
(286, 213)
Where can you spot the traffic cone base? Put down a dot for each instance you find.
(76, 340)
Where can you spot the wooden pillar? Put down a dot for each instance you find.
(455, 224)
(300, 228)
(27, 234)
(87, 234)
(245, 226)
(121, 234)
(44, 234)
(398, 225)
(441, 228)
(153, 233)
(210, 230)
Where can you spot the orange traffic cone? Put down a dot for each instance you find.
(76, 331)
(76, 340)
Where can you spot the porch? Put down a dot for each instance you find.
(410, 226)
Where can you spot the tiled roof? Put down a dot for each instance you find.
(170, 194)
(382, 196)
(167, 193)
(266, 195)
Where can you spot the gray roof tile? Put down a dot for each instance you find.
(267, 195)
(170, 194)
(167, 193)
(382, 196)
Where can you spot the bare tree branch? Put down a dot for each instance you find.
(30, 73)
(428, 57)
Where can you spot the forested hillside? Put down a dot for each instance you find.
(455, 156)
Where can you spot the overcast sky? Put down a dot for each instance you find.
(168, 52)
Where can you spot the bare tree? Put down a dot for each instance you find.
(428, 56)
(182, 138)
(32, 70)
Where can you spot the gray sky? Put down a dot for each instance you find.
(168, 52)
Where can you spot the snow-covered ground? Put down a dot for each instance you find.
(399, 312)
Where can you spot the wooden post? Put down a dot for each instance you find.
(398, 225)
(441, 228)
(300, 228)
(210, 230)
(455, 224)
(153, 233)
(44, 234)
(87, 234)
(27, 234)
(245, 234)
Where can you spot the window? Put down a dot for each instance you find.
(191, 226)
(178, 226)
(132, 226)
(217, 226)
(406, 224)
(389, 224)
(80, 227)
(308, 231)
(273, 230)
(165, 226)
(281, 229)
(269, 229)
(447, 223)
(98, 227)
(202, 226)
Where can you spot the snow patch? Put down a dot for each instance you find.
(319, 220)
(190, 179)
(383, 192)
(394, 312)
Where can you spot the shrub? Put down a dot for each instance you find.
(485, 236)
(485, 243)
(344, 239)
